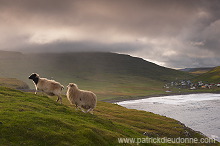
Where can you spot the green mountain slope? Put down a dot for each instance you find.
(13, 83)
(109, 75)
(28, 119)
(212, 76)
(197, 71)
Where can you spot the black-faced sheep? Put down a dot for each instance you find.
(81, 98)
(50, 87)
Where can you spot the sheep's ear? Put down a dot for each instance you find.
(75, 85)
(71, 85)
(35, 74)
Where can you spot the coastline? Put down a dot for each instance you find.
(161, 109)
(120, 99)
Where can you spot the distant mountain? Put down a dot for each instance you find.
(106, 73)
(87, 63)
(9, 54)
(197, 70)
(212, 76)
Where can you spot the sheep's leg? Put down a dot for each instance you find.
(90, 110)
(82, 110)
(59, 99)
(35, 89)
(76, 107)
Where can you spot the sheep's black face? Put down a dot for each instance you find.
(33, 76)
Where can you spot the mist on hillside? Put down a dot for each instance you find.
(81, 66)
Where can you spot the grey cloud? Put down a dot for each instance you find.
(66, 46)
(183, 61)
(141, 17)
(211, 37)
(177, 32)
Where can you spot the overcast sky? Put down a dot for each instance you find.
(171, 33)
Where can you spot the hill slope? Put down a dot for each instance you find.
(197, 71)
(212, 76)
(13, 83)
(109, 75)
(28, 119)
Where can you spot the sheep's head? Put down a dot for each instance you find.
(72, 85)
(33, 76)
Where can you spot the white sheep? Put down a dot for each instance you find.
(81, 98)
(50, 87)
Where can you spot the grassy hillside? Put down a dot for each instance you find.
(109, 75)
(13, 83)
(28, 119)
(212, 76)
(197, 71)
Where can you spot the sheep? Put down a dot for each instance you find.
(50, 87)
(81, 98)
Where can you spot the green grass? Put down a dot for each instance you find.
(118, 86)
(197, 71)
(212, 76)
(28, 119)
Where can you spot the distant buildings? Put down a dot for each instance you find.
(188, 84)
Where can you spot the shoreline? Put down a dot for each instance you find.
(120, 99)
(141, 106)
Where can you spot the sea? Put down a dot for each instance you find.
(200, 112)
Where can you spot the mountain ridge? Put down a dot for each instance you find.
(107, 74)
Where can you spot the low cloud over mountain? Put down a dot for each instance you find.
(168, 32)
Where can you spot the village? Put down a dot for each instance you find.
(188, 84)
